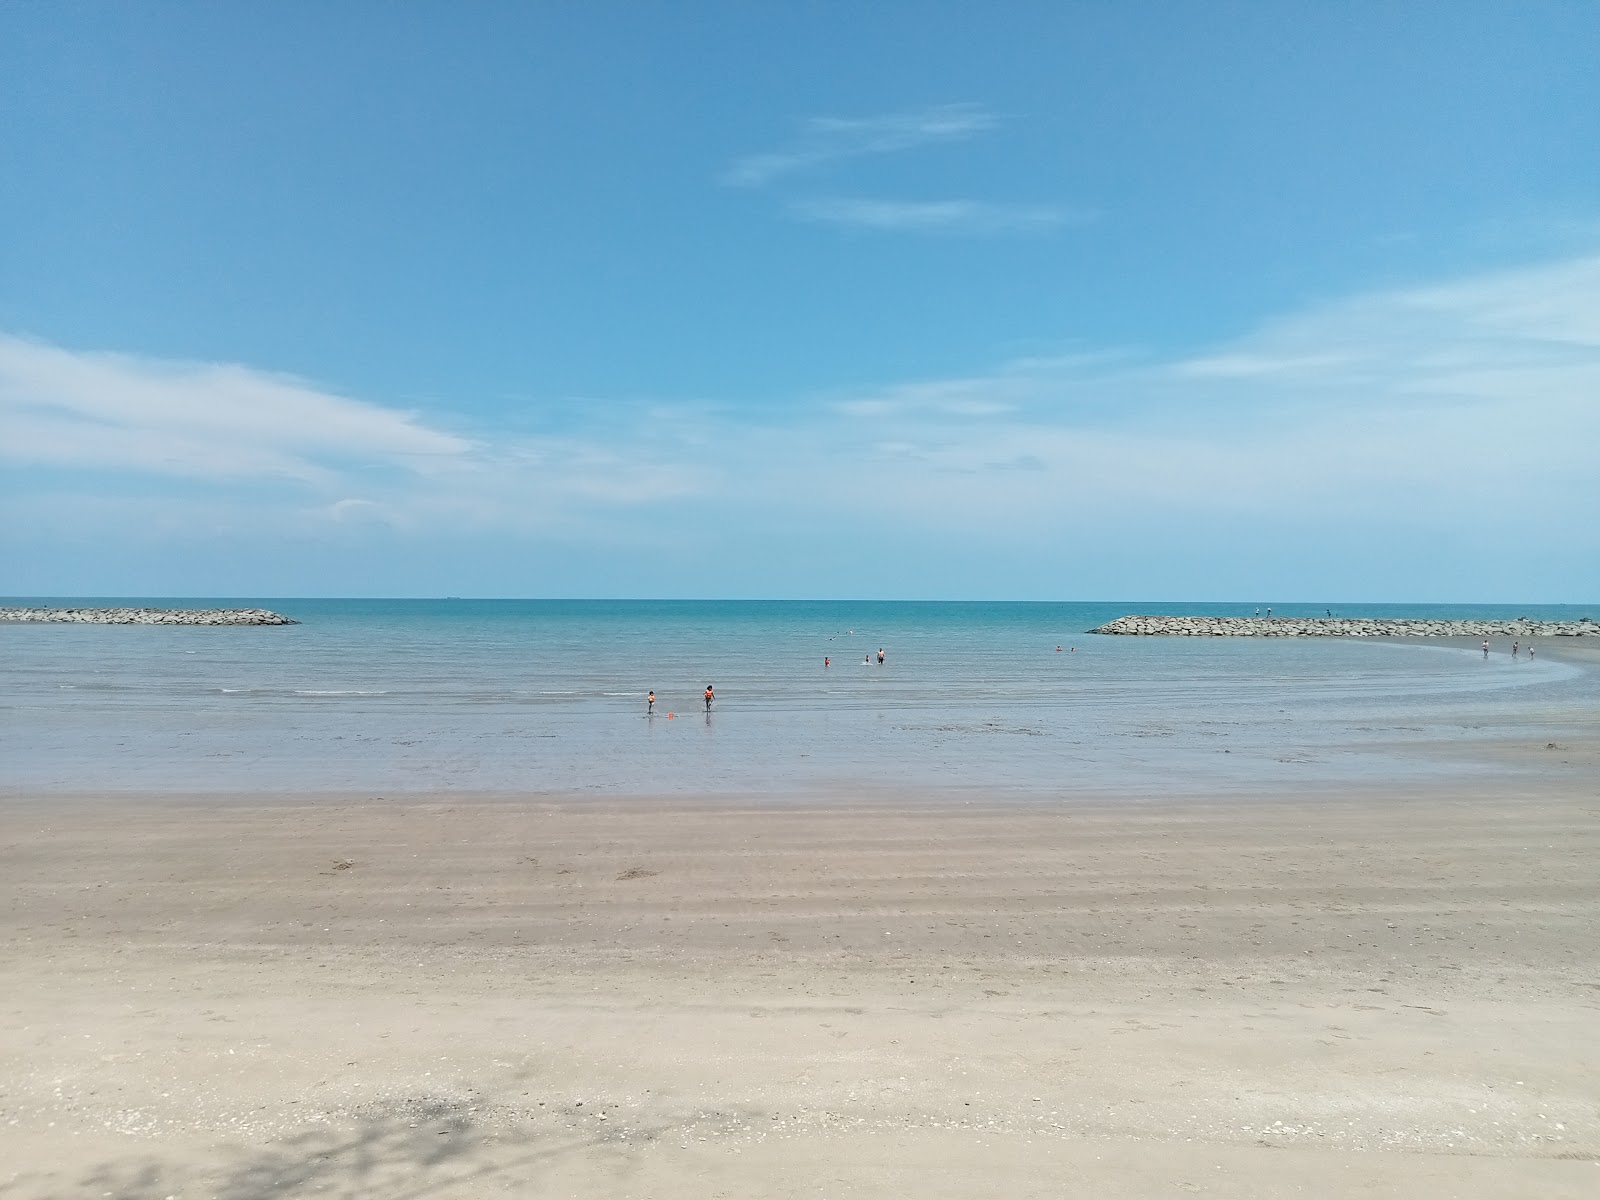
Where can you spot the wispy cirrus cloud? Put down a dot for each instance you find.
(937, 216)
(824, 140)
(828, 140)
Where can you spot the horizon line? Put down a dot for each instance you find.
(7, 601)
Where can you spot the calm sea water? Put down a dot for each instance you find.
(549, 696)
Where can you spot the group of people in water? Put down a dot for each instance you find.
(1516, 649)
(827, 661)
(711, 694)
(650, 701)
(866, 659)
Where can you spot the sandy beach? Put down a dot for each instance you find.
(799, 601)
(1374, 994)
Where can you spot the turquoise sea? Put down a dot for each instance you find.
(548, 696)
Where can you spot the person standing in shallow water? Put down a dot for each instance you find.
(880, 656)
(710, 696)
(650, 705)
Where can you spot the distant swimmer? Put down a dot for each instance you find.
(1486, 649)
(1058, 649)
(710, 696)
(880, 656)
(826, 661)
(650, 704)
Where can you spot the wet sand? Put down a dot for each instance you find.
(1371, 994)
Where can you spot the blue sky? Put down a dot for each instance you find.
(1021, 301)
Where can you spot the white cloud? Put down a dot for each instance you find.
(1393, 421)
(827, 139)
(232, 441)
(1396, 420)
(66, 408)
(935, 216)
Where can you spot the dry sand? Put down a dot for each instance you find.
(1374, 995)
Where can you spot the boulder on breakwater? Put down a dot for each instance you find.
(149, 616)
(1343, 627)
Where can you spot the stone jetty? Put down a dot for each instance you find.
(149, 616)
(1343, 627)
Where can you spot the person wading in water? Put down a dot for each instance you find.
(710, 696)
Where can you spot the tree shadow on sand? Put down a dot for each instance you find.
(410, 1151)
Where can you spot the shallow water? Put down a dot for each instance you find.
(548, 696)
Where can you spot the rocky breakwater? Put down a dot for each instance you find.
(149, 616)
(1343, 627)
